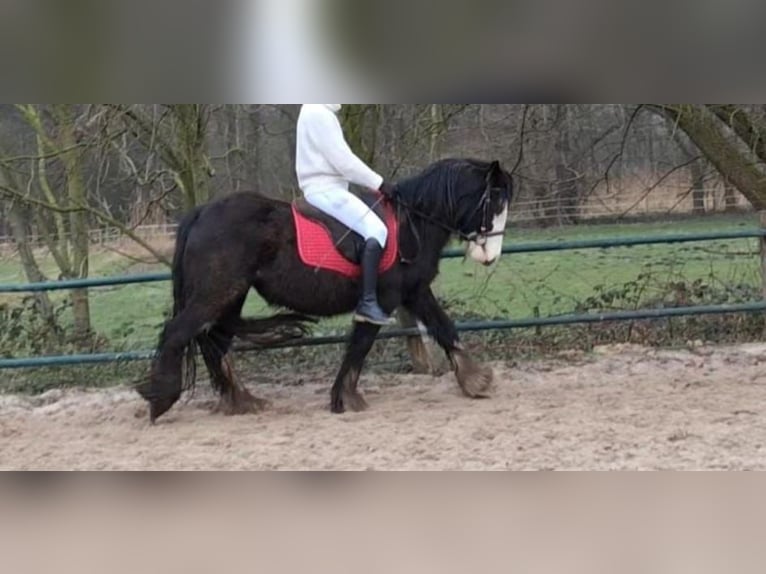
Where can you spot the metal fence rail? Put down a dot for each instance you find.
(752, 307)
(85, 283)
(468, 327)
(538, 247)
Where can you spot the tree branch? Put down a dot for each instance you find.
(707, 132)
(744, 125)
(102, 216)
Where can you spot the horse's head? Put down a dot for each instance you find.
(468, 198)
(483, 200)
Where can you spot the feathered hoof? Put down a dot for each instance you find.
(476, 381)
(355, 402)
(349, 401)
(240, 402)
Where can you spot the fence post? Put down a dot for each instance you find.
(762, 216)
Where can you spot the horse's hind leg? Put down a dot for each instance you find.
(166, 384)
(215, 346)
(235, 399)
(474, 379)
(345, 393)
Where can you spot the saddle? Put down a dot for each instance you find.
(325, 243)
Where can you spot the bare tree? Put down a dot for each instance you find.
(178, 135)
(59, 180)
(731, 136)
(19, 217)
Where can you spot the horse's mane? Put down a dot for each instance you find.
(436, 191)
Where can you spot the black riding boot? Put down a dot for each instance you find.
(369, 310)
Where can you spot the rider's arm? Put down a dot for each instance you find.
(326, 132)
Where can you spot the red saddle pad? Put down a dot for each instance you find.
(316, 248)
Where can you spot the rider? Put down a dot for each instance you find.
(326, 165)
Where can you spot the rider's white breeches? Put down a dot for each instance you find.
(351, 212)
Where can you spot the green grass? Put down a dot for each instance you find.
(519, 286)
(555, 283)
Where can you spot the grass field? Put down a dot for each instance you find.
(519, 286)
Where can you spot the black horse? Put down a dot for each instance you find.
(246, 241)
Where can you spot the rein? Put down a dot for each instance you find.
(479, 237)
(346, 234)
(483, 204)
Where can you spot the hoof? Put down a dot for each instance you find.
(353, 402)
(159, 407)
(475, 380)
(240, 402)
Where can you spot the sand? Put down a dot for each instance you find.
(621, 408)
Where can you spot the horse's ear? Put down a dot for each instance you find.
(494, 170)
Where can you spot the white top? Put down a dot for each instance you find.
(324, 160)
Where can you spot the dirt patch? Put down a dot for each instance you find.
(621, 408)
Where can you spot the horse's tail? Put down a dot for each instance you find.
(179, 294)
(182, 238)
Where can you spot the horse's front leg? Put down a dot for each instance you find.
(475, 380)
(345, 394)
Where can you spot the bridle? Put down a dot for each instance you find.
(478, 237)
(484, 205)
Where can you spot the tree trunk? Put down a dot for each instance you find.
(78, 220)
(729, 197)
(234, 141)
(696, 172)
(699, 194)
(437, 122)
(360, 125)
(195, 171)
(726, 153)
(18, 222)
(566, 185)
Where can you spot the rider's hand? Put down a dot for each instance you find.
(388, 190)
